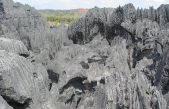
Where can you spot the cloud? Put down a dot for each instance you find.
(33, 1)
(160, 1)
(72, 4)
(157, 1)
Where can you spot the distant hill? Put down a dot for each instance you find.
(55, 17)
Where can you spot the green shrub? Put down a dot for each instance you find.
(57, 19)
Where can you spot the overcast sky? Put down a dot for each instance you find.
(73, 4)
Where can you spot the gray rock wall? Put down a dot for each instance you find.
(109, 59)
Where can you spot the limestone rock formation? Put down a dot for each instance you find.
(145, 32)
(22, 84)
(92, 79)
(24, 23)
(3, 104)
(14, 46)
(108, 59)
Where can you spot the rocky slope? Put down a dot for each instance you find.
(109, 59)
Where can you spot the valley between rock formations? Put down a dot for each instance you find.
(108, 59)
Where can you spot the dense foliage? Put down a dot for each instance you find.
(59, 19)
(54, 18)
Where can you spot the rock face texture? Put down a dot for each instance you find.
(140, 63)
(14, 46)
(22, 83)
(24, 23)
(3, 104)
(108, 59)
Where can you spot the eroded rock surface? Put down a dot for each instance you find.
(104, 83)
(3, 104)
(22, 83)
(108, 59)
(14, 46)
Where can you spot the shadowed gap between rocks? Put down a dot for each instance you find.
(16, 105)
(118, 30)
(75, 82)
(54, 77)
(80, 85)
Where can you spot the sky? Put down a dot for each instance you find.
(74, 4)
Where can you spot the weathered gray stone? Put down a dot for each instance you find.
(14, 46)
(23, 84)
(3, 104)
(119, 59)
